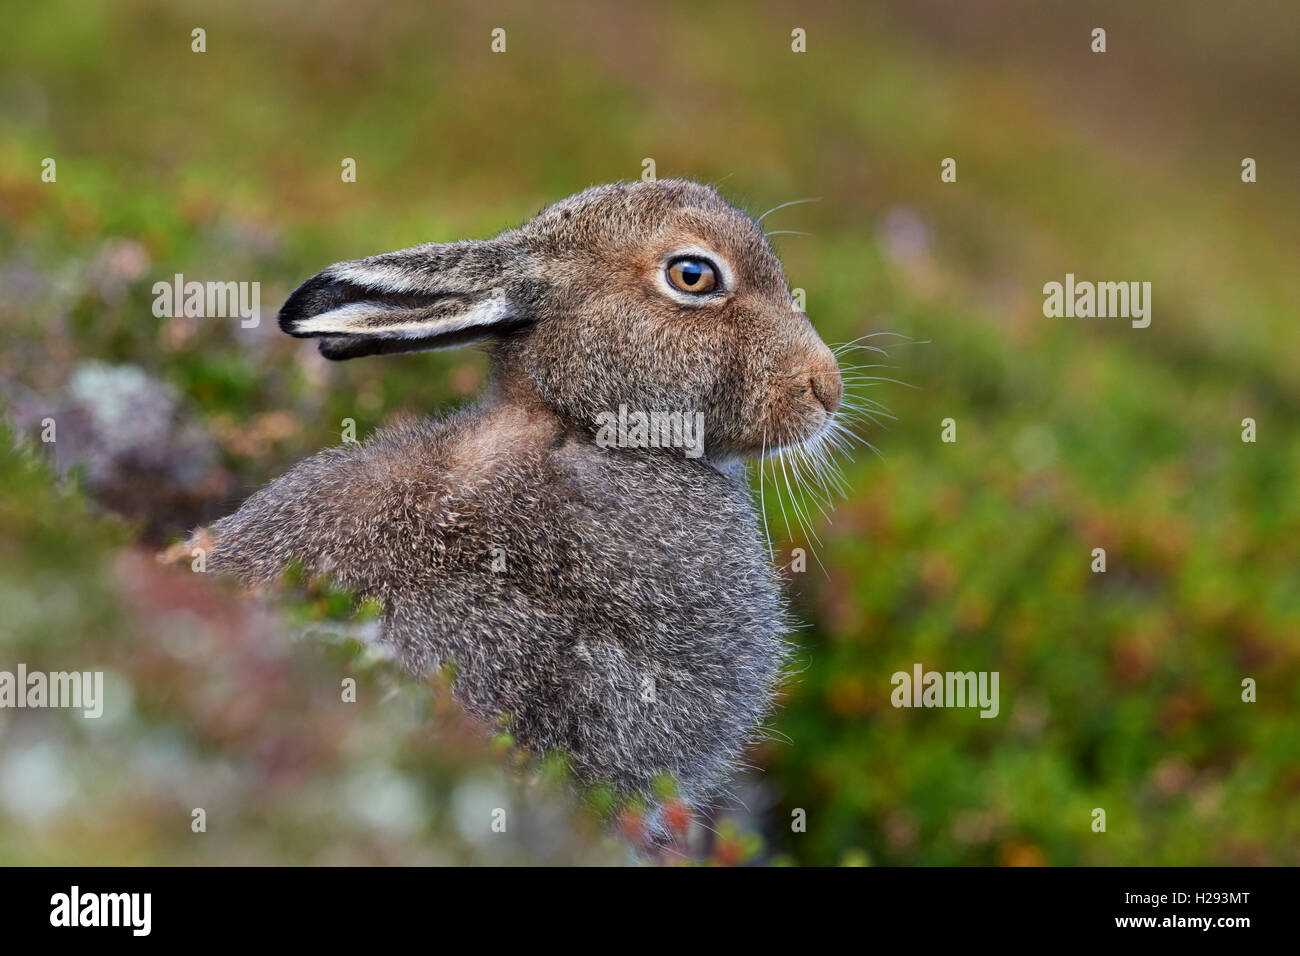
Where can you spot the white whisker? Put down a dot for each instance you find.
(814, 476)
(792, 202)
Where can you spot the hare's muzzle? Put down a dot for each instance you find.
(822, 373)
(826, 384)
(806, 395)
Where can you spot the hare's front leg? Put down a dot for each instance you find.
(322, 514)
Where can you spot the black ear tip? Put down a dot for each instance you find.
(293, 311)
(307, 300)
(339, 348)
(289, 321)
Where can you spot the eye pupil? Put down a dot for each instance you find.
(692, 272)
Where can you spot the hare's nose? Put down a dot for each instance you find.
(827, 385)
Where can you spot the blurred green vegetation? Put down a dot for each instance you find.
(1119, 690)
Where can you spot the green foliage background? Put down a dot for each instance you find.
(1120, 691)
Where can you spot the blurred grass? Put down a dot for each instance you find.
(1119, 691)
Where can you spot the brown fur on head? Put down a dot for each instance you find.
(586, 311)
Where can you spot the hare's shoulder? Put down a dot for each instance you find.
(663, 474)
(457, 456)
(445, 493)
(659, 501)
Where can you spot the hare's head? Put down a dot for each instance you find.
(660, 297)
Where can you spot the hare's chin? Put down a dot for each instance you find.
(792, 437)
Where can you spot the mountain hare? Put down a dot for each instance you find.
(612, 596)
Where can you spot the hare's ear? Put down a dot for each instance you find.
(427, 297)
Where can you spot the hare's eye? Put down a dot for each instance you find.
(693, 275)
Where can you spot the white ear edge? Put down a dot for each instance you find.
(384, 278)
(357, 318)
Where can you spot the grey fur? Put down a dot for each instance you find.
(637, 624)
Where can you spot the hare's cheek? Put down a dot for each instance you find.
(753, 426)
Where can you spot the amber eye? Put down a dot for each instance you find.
(693, 275)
